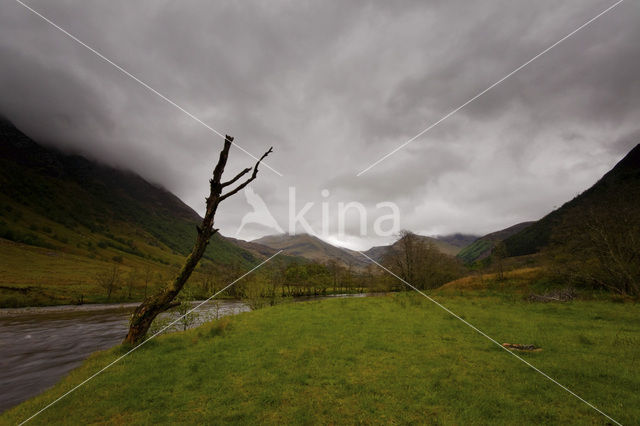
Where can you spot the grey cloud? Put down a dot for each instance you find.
(334, 86)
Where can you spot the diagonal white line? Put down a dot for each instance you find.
(146, 340)
(145, 85)
(495, 341)
(491, 87)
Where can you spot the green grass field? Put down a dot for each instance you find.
(388, 359)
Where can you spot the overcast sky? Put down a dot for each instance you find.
(334, 86)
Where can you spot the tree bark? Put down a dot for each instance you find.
(149, 309)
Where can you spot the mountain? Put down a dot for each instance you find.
(481, 247)
(617, 190)
(259, 250)
(457, 240)
(58, 210)
(378, 252)
(312, 248)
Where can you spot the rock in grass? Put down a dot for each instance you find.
(519, 347)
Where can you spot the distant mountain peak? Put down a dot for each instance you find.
(377, 253)
(458, 239)
(311, 247)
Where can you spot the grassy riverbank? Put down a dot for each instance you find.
(390, 359)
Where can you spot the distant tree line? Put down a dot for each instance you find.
(420, 263)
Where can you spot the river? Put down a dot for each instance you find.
(39, 346)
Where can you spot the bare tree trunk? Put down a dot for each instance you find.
(149, 309)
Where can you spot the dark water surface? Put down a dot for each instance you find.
(39, 346)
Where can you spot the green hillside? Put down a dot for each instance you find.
(481, 248)
(64, 210)
(475, 251)
(457, 239)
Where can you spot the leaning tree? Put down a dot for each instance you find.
(149, 309)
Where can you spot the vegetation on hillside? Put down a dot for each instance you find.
(593, 241)
(481, 248)
(63, 207)
(475, 251)
(599, 247)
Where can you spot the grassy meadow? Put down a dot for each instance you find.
(388, 359)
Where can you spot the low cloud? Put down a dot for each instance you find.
(334, 86)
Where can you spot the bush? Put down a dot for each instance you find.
(187, 316)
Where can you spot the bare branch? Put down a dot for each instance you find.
(238, 176)
(222, 161)
(246, 182)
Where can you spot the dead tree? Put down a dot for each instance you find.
(109, 280)
(144, 314)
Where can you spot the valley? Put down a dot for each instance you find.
(74, 232)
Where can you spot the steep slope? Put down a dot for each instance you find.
(621, 185)
(57, 205)
(481, 248)
(378, 252)
(259, 250)
(312, 248)
(458, 240)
